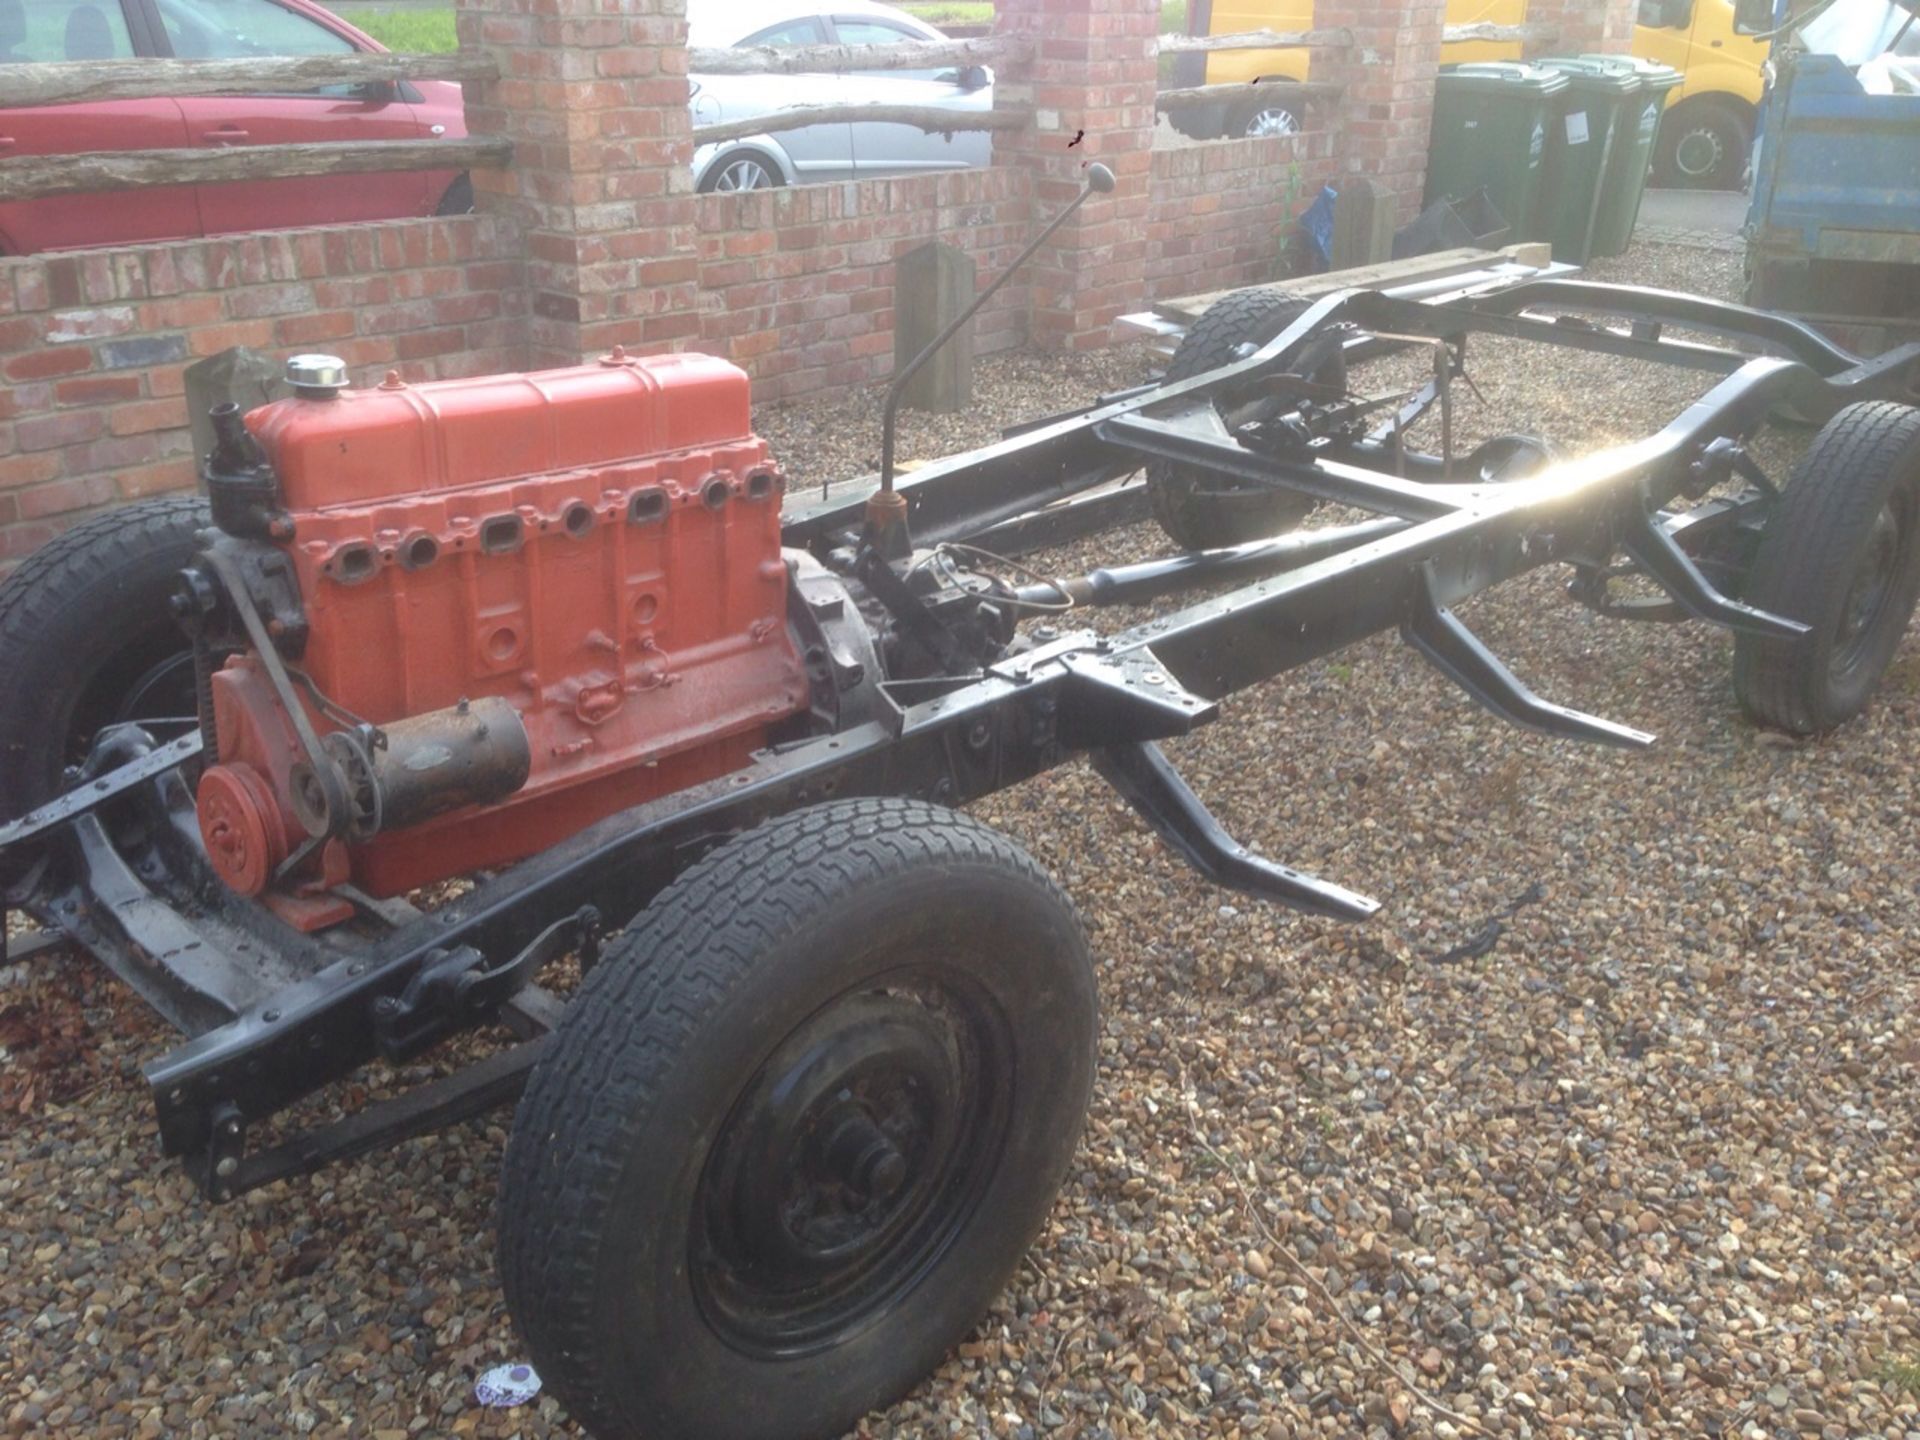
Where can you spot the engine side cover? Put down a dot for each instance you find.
(598, 546)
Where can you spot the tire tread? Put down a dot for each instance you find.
(636, 1012)
(1836, 491)
(46, 585)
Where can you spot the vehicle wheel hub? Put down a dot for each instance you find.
(845, 1169)
(1867, 597)
(1265, 123)
(1698, 153)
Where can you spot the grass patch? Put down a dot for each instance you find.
(412, 32)
(425, 32)
(950, 12)
(1901, 1374)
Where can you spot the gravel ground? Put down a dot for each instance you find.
(1605, 1126)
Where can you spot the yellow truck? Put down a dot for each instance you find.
(1704, 138)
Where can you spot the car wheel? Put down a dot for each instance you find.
(798, 1126)
(1702, 147)
(1202, 511)
(1260, 119)
(87, 640)
(741, 170)
(1841, 551)
(459, 198)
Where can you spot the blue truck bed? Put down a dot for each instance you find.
(1834, 225)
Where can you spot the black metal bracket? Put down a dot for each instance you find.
(1129, 697)
(226, 1147)
(456, 986)
(469, 1092)
(1457, 653)
(1147, 781)
(92, 794)
(1672, 569)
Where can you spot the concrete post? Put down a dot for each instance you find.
(932, 284)
(594, 98)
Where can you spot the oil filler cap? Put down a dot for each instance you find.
(317, 377)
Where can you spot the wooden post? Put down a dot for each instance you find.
(932, 285)
(1362, 225)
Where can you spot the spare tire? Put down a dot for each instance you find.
(1199, 510)
(87, 640)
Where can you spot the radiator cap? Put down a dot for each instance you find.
(317, 377)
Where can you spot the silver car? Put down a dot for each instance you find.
(827, 152)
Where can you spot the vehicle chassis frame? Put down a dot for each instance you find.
(273, 1015)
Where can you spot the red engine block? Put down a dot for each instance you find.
(599, 547)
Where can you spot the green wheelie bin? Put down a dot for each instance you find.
(1591, 114)
(1632, 150)
(1490, 128)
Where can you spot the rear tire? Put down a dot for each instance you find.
(459, 198)
(798, 1127)
(1841, 552)
(87, 640)
(1702, 145)
(1200, 511)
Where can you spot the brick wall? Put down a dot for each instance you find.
(94, 346)
(1221, 215)
(593, 237)
(796, 286)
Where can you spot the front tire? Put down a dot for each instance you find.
(798, 1126)
(87, 640)
(1841, 552)
(741, 170)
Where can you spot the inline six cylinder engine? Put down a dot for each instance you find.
(443, 626)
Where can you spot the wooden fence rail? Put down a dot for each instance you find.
(1332, 39)
(72, 81)
(31, 177)
(934, 119)
(834, 59)
(1485, 30)
(1310, 90)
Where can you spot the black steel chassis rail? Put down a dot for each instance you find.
(966, 493)
(974, 734)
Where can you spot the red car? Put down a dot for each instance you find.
(37, 30)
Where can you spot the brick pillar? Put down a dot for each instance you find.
(1383, 120)
(1094, 71)
(1603, 27)
(594, 98)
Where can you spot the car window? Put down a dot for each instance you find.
(788, 34)
(865, 30)
(239, 29)
(69, 30)
(871, 32)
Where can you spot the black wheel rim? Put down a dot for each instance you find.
(148, 684)
(850, 1164)
(1870, 597)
